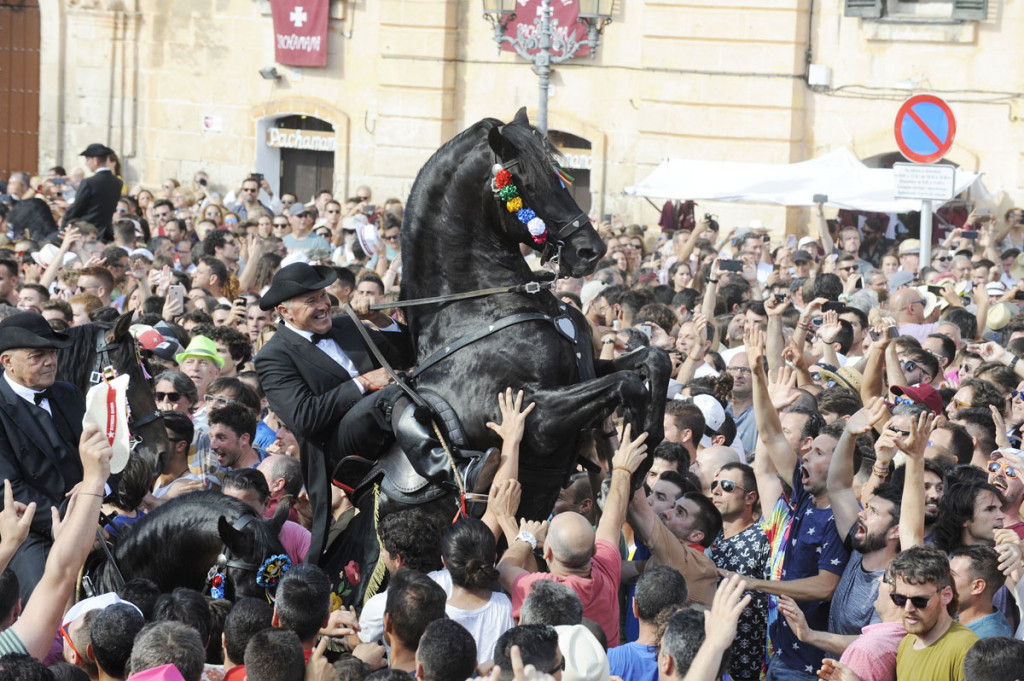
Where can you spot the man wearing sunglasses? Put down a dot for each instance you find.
(1006, 474)
(921, 585)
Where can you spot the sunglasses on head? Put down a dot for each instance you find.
(172, 397)
(919, 602)
(728, 486)
(1006, 469)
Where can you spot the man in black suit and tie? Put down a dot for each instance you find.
(97, 196)
(40, 426)
(321, 379)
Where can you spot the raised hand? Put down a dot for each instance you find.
(503, 499)
(830, 327)
(631, 453)
(868, 415)
(913, 445)
(834, 670)
(780, 387)
(753, 339)
(318, 668)
(15, 519)
(726, 607)
(989, 352)
(513, 416)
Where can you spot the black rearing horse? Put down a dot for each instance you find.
(94, 348)
(460, 235)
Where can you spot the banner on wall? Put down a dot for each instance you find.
(565, 12)
(300, 32)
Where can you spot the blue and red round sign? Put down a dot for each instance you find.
(925, 128)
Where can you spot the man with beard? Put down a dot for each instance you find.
(921, 585)
(1004, 473)
(874, 533)
(808, 555)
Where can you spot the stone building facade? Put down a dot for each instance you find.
(174, 87)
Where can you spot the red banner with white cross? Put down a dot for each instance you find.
(300, 32)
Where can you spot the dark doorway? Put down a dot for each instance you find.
(574, 157)
(305, 172)
(19, 86)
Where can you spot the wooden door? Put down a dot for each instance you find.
(19, 86)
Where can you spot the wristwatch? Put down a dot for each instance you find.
(529, 539)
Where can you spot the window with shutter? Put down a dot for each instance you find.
(864, 8)
(975, 10)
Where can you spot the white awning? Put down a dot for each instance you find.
(840, 175)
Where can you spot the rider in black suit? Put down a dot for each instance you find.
(334, 396)
(96, 198)
(40, 425)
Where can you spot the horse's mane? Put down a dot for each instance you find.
(75, 363)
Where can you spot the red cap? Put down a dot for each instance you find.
(922, 394)
(150, 339)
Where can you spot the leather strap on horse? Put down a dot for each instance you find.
(399, 381)
(529, 287)
(471, 338)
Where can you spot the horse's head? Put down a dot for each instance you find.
(145, 421)
(535, 205)
(253, 560)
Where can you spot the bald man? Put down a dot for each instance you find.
(908, 305)
(709, 461)
(586, 561)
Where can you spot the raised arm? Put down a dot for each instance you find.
(625, 463)
(711, 290)
(830, 328)
(769, 427)
(912, 503)
(695, 357)
(40, 620)
(845, 507)
(719, 629)
(511, 429)
(775, 342)
(519, 553)
(823, 233)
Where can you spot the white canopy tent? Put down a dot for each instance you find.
(840, 175)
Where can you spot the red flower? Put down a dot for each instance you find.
(502, 178)
(352, 573)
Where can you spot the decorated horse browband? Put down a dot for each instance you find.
(503, 189)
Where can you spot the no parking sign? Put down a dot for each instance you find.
(925, 128)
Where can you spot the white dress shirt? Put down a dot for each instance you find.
(28, 394)
(332, 350)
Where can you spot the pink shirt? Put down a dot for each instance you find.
(872, 657)
(599, 592)
(295, 540)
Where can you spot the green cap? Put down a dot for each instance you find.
(201, 346)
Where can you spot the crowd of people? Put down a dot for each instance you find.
(837, 495)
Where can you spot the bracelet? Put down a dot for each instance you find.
(695, 359)
(1013, 362)
(607, 341)
(712, 281)
(622, 468)
(880, 472)
(91, 494)
(805, 327)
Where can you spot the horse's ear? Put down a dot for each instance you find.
(280, 515)
(232, 538)
(521, 117)
(122, 325)
(496, 141)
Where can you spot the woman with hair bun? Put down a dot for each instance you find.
(469, 552)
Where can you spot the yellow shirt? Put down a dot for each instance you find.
(942, 660)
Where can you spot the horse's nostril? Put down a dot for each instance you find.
(587, 254)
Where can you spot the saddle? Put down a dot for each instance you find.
(400, 483)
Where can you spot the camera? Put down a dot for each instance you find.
(712, 222)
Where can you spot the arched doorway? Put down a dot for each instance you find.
(19, 86)
(296, 154)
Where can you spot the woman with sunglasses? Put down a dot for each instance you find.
(174, 391)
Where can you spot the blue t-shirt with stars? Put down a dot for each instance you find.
(814, 545)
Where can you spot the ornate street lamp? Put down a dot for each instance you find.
(536, 46)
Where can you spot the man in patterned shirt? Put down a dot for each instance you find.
(808, 555)
(743, 548)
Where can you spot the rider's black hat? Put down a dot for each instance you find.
(30, 330)
(294, 280)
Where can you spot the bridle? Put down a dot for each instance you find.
(104, 371)
(560, 232)
(216, 577)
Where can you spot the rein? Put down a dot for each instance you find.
(529, 287)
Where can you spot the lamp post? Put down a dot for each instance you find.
(538, 45)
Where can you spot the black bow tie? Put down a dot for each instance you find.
(317, 337)
(40, 396)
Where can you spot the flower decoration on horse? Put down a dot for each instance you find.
(504, 190)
